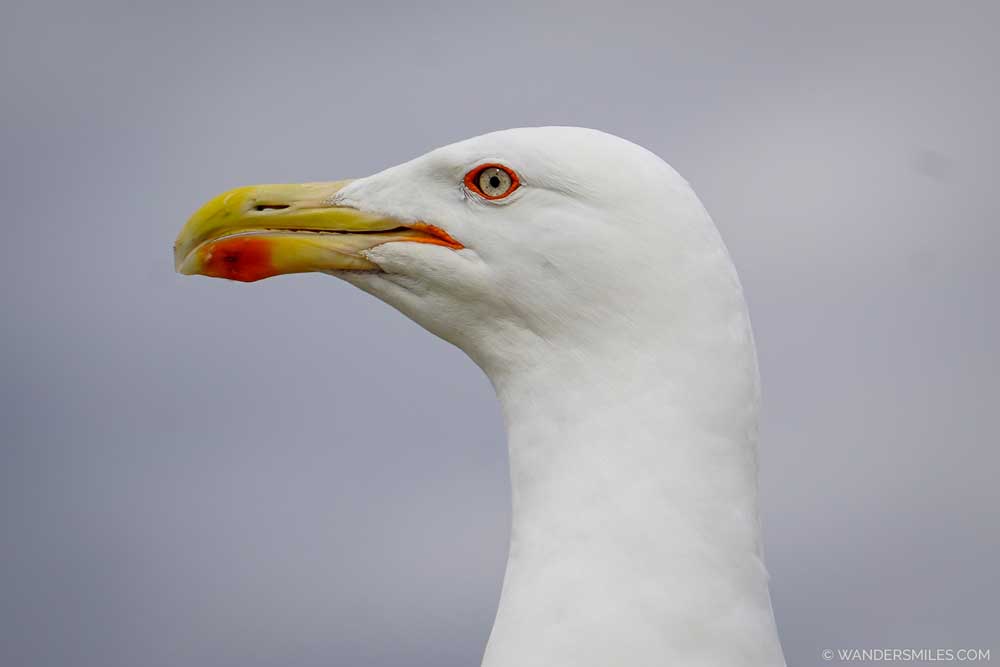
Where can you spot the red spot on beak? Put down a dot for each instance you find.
(243, 258)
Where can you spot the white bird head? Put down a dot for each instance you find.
(585, 277)
(554, 233)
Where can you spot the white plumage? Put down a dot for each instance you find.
(601, 302)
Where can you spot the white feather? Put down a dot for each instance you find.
(602, 303)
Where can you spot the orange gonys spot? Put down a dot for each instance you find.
(242, 258)
(436, 236)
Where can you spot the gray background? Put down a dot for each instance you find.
(203, 473)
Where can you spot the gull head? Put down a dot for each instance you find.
(557, 235)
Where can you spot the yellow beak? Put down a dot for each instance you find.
(261, 231)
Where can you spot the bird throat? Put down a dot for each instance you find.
(635, 533)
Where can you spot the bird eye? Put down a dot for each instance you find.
(492, 181)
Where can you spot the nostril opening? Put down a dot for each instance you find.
(270, 207)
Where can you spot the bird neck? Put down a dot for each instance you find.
(635, 534)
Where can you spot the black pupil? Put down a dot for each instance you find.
(494, 181)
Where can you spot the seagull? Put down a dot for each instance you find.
(587, 280)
